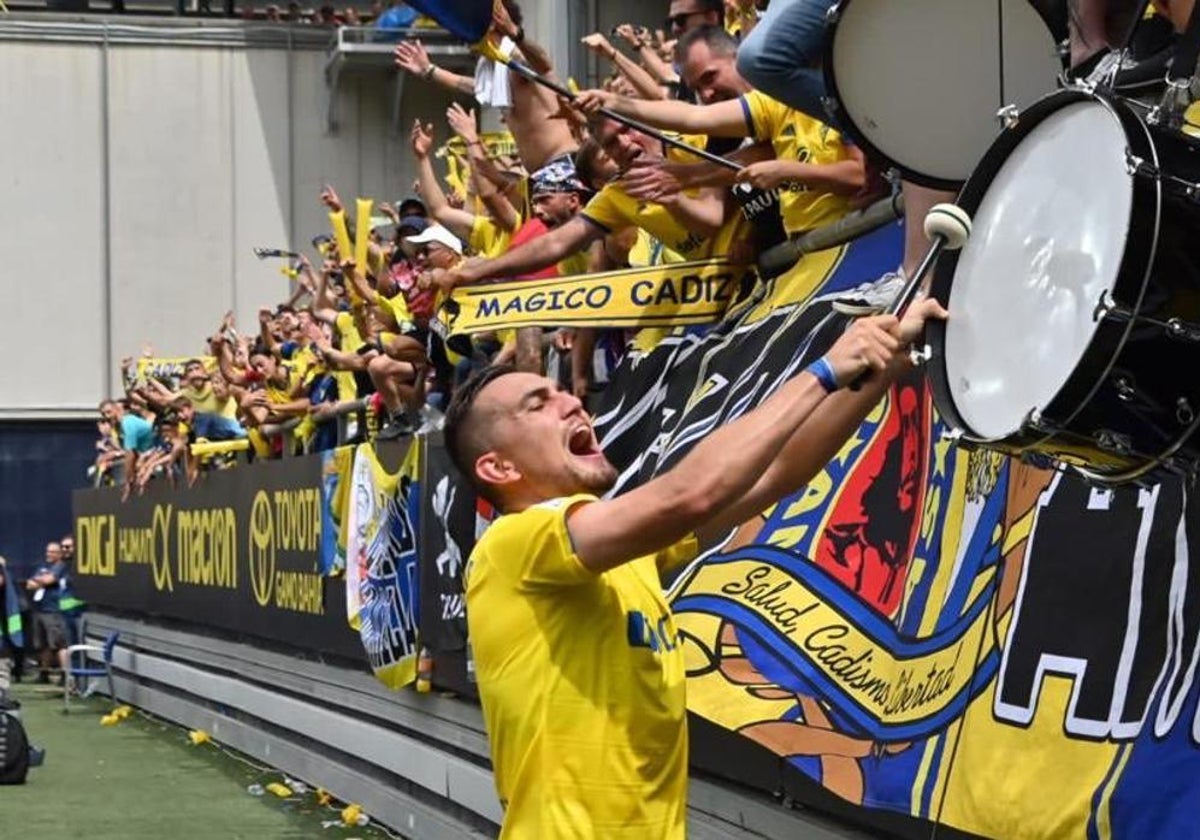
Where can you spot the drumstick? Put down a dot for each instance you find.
(948, 227)
(636, 125)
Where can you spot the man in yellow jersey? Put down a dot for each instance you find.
(817, 174)
(578, 658)
(696, 224)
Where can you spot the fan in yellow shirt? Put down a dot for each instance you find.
(816, 172)
(697, 224)
(578, 658)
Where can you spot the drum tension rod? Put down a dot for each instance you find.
(1136, 166)
(1176, 328)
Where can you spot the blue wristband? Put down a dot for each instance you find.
(823, 371)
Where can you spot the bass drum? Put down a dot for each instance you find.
(918, 83)
(1075, 306)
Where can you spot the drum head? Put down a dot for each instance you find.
(919, 82)
(1049, 240)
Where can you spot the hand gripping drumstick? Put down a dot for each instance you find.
(948, 227)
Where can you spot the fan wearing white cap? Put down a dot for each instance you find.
(416, 347)
(446, 246)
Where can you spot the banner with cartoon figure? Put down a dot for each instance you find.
(944, 633)
(381, 562)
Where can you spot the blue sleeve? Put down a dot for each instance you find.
(128, 432)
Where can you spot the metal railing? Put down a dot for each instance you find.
(351, 419)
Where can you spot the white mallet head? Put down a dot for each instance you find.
(950, 222)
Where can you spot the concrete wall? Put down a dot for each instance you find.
(140, 173)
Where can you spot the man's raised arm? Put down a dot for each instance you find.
(533, 256)
(721, 119)
(727, 465)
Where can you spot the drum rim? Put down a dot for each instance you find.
(1146, 205)
(845, 122)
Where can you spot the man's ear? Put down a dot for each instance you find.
(495, 470)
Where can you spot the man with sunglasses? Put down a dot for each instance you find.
(685, 15)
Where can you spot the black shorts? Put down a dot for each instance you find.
(363, 386)
(49, 631)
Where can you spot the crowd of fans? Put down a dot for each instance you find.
(582, 193)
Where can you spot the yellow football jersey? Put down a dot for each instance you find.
(612, 209)
(487, 238)
(582, 682)
(796, 136)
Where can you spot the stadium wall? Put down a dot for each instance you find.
(146, 159)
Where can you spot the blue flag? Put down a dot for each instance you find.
(466, 19)
(12, 614)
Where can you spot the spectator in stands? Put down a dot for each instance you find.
(169, 456)
(683, 15)
(327, 16)
(215, 410)
(412, 207)
(49, 629)
(542, 129)
(782, 58)
(136, 437)
(408, 356)
(583, 683)
(398, 16)
(533, 114)
(694, 225)
(108, 454)
(816, 173)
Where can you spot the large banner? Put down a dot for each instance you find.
(447, 536)
(239, 551)
(381, 562)
(951, 635)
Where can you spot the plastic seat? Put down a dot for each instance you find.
(81, 670)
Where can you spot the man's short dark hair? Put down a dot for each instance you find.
(412, 207)
(464, 431)
(586, 163)
(719, 41)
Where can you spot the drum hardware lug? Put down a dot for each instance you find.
(1036, 421)
(1107, 306)
(1184, 412)
(1125, 388)
(920, 355)
(1114, 442)
(1135, 165)
(1009, 116)
(1182, 330)
(955, 437)
(1174, 103)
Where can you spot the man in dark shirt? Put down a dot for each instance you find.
(49, 629)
